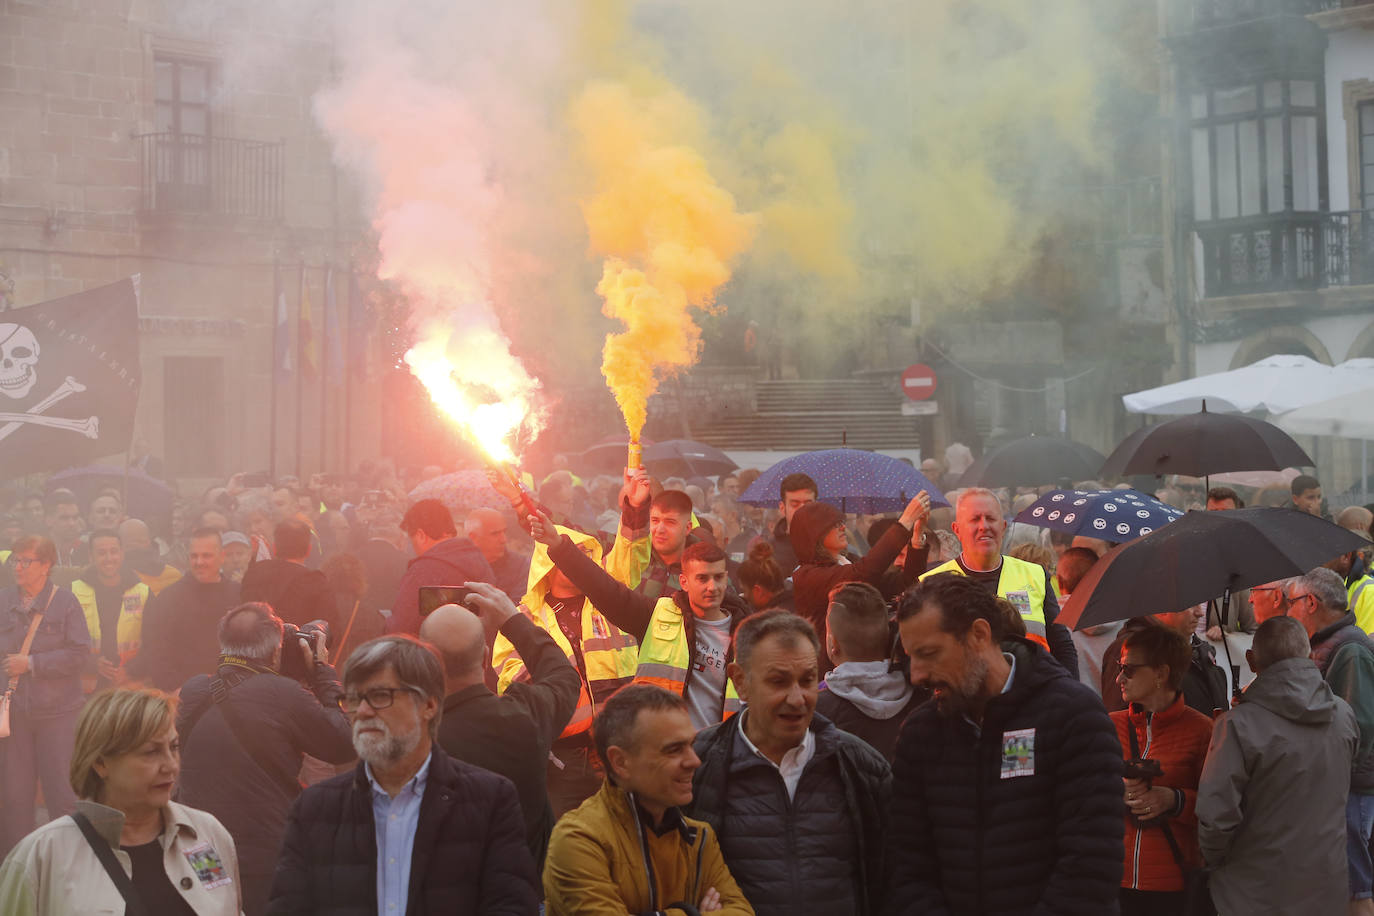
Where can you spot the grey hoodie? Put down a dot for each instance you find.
(1271, 801)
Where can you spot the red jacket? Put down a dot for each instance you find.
(1177, 737)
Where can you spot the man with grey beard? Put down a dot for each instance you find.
(1007, 787)
(411, 828)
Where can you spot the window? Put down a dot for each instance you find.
(193, 414)
(1253, 149)
(1366, 150)
(182, 124)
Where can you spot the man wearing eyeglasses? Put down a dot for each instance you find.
(410, 830)
(1345, 656)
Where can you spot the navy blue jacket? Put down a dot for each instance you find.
(59, 653)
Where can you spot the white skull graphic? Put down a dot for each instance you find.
(18, 359)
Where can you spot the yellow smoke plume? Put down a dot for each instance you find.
(668, 232)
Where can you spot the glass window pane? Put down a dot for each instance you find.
(1303, 93)
(162, 70)
(193, 120)
(1367, 186)
(1235, 101)
(162, 118)
(1202, 175)
(195, 83)
(1248, 138)
(1199, 104)
(1304, 163)
(1228, 203)
(1273, 164)
(1273, 94)
(1367, 119)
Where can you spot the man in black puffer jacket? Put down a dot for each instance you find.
(1008, 791)
(800, 806)
(451, 837)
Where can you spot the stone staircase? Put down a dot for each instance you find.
(807, 414)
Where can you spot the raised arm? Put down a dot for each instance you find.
(623, 607)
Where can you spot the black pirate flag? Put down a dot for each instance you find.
(69, 379)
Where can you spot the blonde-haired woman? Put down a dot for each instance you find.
(128, 848)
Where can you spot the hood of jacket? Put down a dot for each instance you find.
(878, 692)
(809, 526)
(127, 578)
(1294, 690)
(455, 552)
(541, 567)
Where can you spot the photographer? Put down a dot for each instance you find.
(1164, 742)
(245, 730)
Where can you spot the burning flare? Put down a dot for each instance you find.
(668, 233)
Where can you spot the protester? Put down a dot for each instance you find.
(604, 656)
(65, 526)
(647, 555)
(1269, 600)
(124, 768)
(245, 731)
(794, 491)
(1272, 799)
(238, 553)
(1204, 683)
(980, 527)
(1040, 831)
(684, 638)
(629, 849)
(369, 837)
(296, 594)
(1344, 655)
(763, 581)
(1160, 823)
(782, 786)
(142, 556)
(46, 646)
(441, 558)
(1356, 579)
(113, 600)
(486, 528)
(863, 695)
(820, 540)
(512, 734)
(1306, 493)
(180, 624)
(106, 512)
(1092, 642)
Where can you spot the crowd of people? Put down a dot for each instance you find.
(632, 695)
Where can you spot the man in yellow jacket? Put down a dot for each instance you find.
(629, 849)
(605, 657)
(114, 599)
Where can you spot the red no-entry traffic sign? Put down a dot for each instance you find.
(918, 382)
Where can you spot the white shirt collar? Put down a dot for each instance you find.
(793, 762)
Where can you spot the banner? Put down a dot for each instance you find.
(69, 380)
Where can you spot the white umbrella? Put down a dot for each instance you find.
(1350, 416)
(1273, 385)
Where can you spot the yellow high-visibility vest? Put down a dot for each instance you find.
(1022, 584)
(665, 656)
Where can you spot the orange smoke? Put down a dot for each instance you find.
(668, 233)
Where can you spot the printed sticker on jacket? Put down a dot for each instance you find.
(1018, 753)
(1021, 601)
(206, 863)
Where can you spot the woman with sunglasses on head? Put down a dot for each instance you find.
(44, 647)
(128, 847)
(1165, 744)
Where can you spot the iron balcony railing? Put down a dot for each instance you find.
(219, 176)
(1289, 251)
(1207, 13)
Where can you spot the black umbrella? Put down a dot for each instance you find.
(1200, 557)
(608, 455)
(1205, 443)
(686, 458)
(1032, 462)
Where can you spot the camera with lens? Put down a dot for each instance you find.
(1143, 768)
(315, 634)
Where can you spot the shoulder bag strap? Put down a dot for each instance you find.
(28, 637)
(103, 852)
(219, 692)
(1163, 824)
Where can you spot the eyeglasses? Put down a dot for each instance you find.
(1294, 599)
(1129, 670)
(24, 562)
(378, 698)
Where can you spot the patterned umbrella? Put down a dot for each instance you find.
(1111, 515)
(849, 478)
(461, 492)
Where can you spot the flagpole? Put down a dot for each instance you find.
(300, 363)
(324, 371)
(275, 375)
(348, 378)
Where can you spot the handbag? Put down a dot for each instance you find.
(133, 904)
(1197, 896)
(8, 695)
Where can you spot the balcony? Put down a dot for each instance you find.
(1287, 252)
(188, 174)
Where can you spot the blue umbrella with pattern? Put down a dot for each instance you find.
(1110, 515)
(849, 478)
